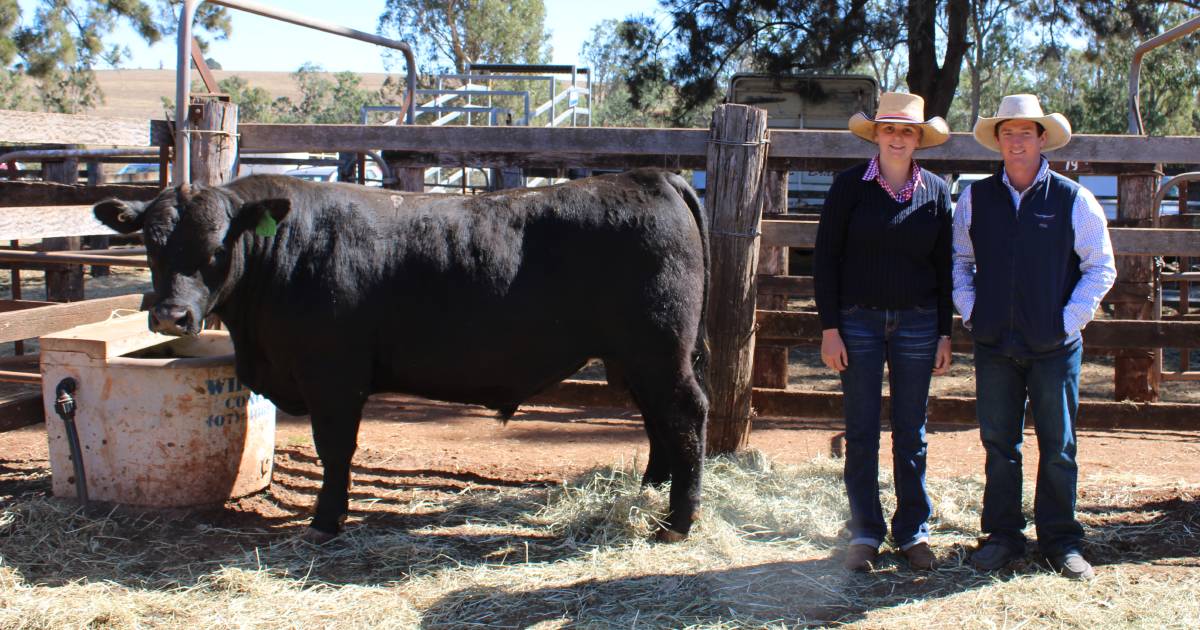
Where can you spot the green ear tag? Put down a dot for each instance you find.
(266, 225)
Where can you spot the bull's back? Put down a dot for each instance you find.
(490, 299)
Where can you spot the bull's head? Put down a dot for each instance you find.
(192, 243)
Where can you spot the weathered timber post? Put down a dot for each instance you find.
(771, 362)
(410, 179)
(214, 143)
(95, 177)
(64, 283)
(737, 153)
(214, 150)
(1136, 374)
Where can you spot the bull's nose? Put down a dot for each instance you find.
(170, 320)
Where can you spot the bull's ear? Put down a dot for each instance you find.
(265, 215)
(122, 216)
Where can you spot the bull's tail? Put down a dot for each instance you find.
(700, 354)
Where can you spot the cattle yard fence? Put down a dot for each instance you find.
(746, 200)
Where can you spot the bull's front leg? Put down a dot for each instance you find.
(335, 404)
(336, 439)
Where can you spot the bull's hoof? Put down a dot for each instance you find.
(315, 536)
(664, 535)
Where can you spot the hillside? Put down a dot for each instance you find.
(139, 93)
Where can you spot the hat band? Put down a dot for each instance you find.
(904, 118)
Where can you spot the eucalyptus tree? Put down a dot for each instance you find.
(59, 46)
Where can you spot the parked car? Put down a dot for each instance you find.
(330, 174)
(137, 172)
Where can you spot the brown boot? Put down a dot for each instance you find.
(920, 557)
(860, 558)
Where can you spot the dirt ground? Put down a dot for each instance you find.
(1139, 500)
(411, 443)
(415, 437)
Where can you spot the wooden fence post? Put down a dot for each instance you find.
(95, 177)
(736, 159)
(771, 362)
(409, 179)
(215, 142)
(1136, 376)
(64, 283)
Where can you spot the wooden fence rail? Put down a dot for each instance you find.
(809, 405)
(1126, 241)
(417, 147)
(795, 328)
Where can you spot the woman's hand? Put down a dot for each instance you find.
(941, 361)
(833, 351)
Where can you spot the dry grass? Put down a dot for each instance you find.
(765, 554)
(139, 93)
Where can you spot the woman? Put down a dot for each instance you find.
(883, 288)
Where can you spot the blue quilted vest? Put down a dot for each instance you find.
(1025, 265)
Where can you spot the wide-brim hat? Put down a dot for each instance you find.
(904, 109)
(1023, 107)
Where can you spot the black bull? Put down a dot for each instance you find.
(332, 292)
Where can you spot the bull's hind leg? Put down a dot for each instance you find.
(675, 409)
(658, 465)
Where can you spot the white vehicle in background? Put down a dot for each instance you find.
(244, 168)
(803, 101)
(330, 174)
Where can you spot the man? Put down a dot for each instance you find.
(1032, 259)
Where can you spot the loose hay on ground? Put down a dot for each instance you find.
(765, 553)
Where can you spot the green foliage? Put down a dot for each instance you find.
(10, 15)
(12, 90)
(612, 60)
(712, 39)
(60, 48)
(322, 100)
(450, 34)
(255, 104)
(996, 63)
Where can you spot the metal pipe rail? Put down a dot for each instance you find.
(1161, 194)
(1135, 69)
(72, 258)
(28, 378)
(183, 72)
(38, 155)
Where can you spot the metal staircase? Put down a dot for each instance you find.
(476, 99)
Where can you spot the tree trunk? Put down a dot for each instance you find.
(736, 160)
(936, 84)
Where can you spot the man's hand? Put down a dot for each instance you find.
(833, 351)
(941, 361)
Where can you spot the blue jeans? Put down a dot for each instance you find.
(1051, 383)
(907, 341)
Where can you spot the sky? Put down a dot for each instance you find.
(259, 43)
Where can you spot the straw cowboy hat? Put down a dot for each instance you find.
(1023, 107)
(906, 109)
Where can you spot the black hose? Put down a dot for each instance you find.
(64, 405)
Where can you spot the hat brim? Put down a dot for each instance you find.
(934, 131)
(1058, 130)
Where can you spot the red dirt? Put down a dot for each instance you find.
(415, 456)
(548, 443)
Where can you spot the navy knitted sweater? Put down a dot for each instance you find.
(876, 252)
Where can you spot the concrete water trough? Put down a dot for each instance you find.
(160, 421)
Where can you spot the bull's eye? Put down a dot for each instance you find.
(217, 255)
